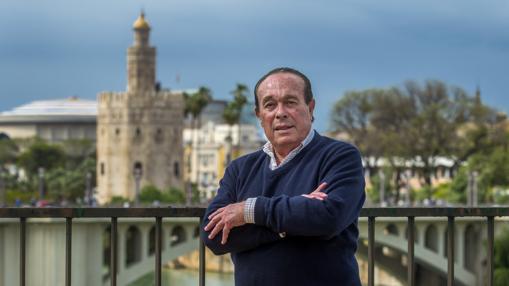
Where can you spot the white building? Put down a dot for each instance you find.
(51, 120)
(209, 149)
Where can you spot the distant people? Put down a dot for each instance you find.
(288, 213)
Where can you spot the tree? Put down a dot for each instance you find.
(231, 116)
(501, 259)
(240, 99)
(417, 124)
(8, 151)
(150, 193)
(70, 183)
(78, 150)
(194, 105)
(41, 154)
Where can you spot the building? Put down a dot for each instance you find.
(51, 120)
(209, 148)
(139, 131)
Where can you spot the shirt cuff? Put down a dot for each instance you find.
(249, 210)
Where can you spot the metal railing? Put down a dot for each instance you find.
(158, 213)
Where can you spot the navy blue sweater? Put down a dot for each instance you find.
(321, 236)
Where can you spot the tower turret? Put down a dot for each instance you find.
(141, 68)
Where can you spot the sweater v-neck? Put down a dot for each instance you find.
(295, 160)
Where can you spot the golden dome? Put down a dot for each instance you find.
(141, 23)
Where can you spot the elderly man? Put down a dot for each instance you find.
(288, 213)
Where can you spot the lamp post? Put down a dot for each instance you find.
(2, 188)
(381, 175)
(88, 189)
(475, 199)
(137, 172)
(41, 183)
(408, 175)
(472, 196)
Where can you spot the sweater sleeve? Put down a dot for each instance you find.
(241, 238)
(301, 216)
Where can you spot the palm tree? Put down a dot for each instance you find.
(230, 116)
(194, 105)
(240, 99)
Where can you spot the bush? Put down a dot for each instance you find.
(150, 193)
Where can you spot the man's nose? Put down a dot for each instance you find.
(281, 111)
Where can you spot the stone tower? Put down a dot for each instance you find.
(140, 130)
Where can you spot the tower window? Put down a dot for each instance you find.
(117, 131)
(138, 132)
(159, 135)
(176, 169)
(102, 168)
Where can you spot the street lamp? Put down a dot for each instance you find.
(472, 189)
(2, 188)
(88, 189)
(381, 175)
(137, 173)
(41, 183)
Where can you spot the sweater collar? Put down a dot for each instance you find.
(269, 150)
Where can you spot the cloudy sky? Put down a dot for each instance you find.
(52, 49)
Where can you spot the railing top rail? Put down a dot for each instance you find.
(434, 211)
(86, 212)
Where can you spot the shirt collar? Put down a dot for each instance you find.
(269, 150)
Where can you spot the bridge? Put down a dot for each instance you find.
(43, 249)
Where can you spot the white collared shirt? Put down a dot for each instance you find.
(269, 150)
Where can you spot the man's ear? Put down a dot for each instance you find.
(311, 107)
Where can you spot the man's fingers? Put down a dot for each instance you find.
(216, 212)
(321, 187)
(216, 230)
(212, 222)
(313, 197)
(226, 232)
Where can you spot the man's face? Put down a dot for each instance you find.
(283, 112)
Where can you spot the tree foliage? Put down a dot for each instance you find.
(41, 155)
(417, 123)
(196, 102)
(501, 259)
(65, 164)
(233, 111)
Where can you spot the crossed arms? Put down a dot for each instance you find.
(322, 213)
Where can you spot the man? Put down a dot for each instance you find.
(288, 213)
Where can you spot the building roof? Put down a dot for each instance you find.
(72, 109)
(141, 23)
(69, 106)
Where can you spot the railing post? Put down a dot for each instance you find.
(371, 251)
(158, 239)
(202, 259)
(113, 252)
(22, 253)
(491, 238)
(68, 250)
(410, 254)
(450, 251)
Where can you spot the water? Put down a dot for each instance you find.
(184, 277)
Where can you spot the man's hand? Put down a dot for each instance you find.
(317, 193)
(225, 219)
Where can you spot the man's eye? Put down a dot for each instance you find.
(269, 105)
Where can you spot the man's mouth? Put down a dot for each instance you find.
(282, 127)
